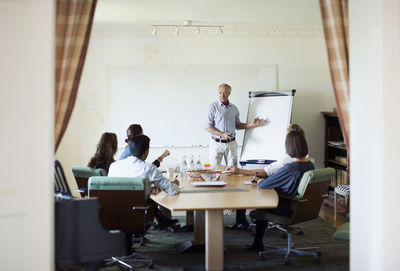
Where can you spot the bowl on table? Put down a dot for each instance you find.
(211, 176)
(198, 174)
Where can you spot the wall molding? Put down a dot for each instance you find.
(257, 31)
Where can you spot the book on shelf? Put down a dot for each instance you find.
(341, 159)
(341, 178)
(337, 143)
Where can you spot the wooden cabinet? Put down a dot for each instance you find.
(336, 155)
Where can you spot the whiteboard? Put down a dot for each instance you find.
(267, 142)
(171, 102)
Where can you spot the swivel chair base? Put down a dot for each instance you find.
(128, 262)
(306, 251)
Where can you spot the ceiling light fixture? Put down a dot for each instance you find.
(186, 25)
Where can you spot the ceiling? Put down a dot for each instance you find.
(270, 12)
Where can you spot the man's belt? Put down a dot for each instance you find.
(223, 140)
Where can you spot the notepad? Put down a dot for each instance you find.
(218, 183)
(250, 182)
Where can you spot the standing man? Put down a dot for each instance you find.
(222, 120)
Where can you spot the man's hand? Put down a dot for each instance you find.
(155, 190)
(165, 153)
(176, 182)
(257, 122)
(162, 156)
(233, 170)
(226, 136)
(256, 180)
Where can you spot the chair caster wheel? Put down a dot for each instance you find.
(287, 262)
(300, 233)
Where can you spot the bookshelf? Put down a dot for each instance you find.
(336, 155)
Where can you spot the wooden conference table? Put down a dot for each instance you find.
(213, 200)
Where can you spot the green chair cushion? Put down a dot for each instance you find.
(86, 172)
(343, 232)
(115, 183)
(314, 176)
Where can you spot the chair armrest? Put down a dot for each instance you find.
(292, 198)
(298, 199)
(140, 207)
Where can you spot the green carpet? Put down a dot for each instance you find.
(161, 248)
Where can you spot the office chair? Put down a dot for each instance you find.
(306, 205)
(82, 174)
(123, 206)
(79, 236)
(61, 187)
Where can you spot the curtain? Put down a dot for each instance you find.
(74, 20)
(335, 22)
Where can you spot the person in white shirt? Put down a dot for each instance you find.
(269, 170)
(273, 167)
(135, 166)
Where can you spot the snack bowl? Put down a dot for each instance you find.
(197, 174)
(211, 176)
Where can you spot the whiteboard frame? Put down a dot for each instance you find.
(259, 94)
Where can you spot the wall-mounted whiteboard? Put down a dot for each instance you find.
(171, 102)
(267, 142)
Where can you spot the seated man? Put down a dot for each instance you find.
(135, 166)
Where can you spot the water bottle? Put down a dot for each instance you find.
(192, 166)
(198, 163)
(184, 166)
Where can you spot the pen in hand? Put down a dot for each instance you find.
(176, 181)
(255, 178)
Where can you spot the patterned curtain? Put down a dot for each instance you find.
(74, 20)
(335, 21)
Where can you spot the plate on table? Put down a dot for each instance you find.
(215, 183)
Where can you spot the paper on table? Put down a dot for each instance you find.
(249, 182)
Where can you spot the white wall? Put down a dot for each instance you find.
(375, 129)
(299, 52)
(26, 138)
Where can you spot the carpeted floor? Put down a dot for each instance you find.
(161, 248)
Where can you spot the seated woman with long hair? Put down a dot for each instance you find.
(285, 181)
(106, 149)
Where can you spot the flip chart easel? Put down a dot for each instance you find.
(266, 144)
